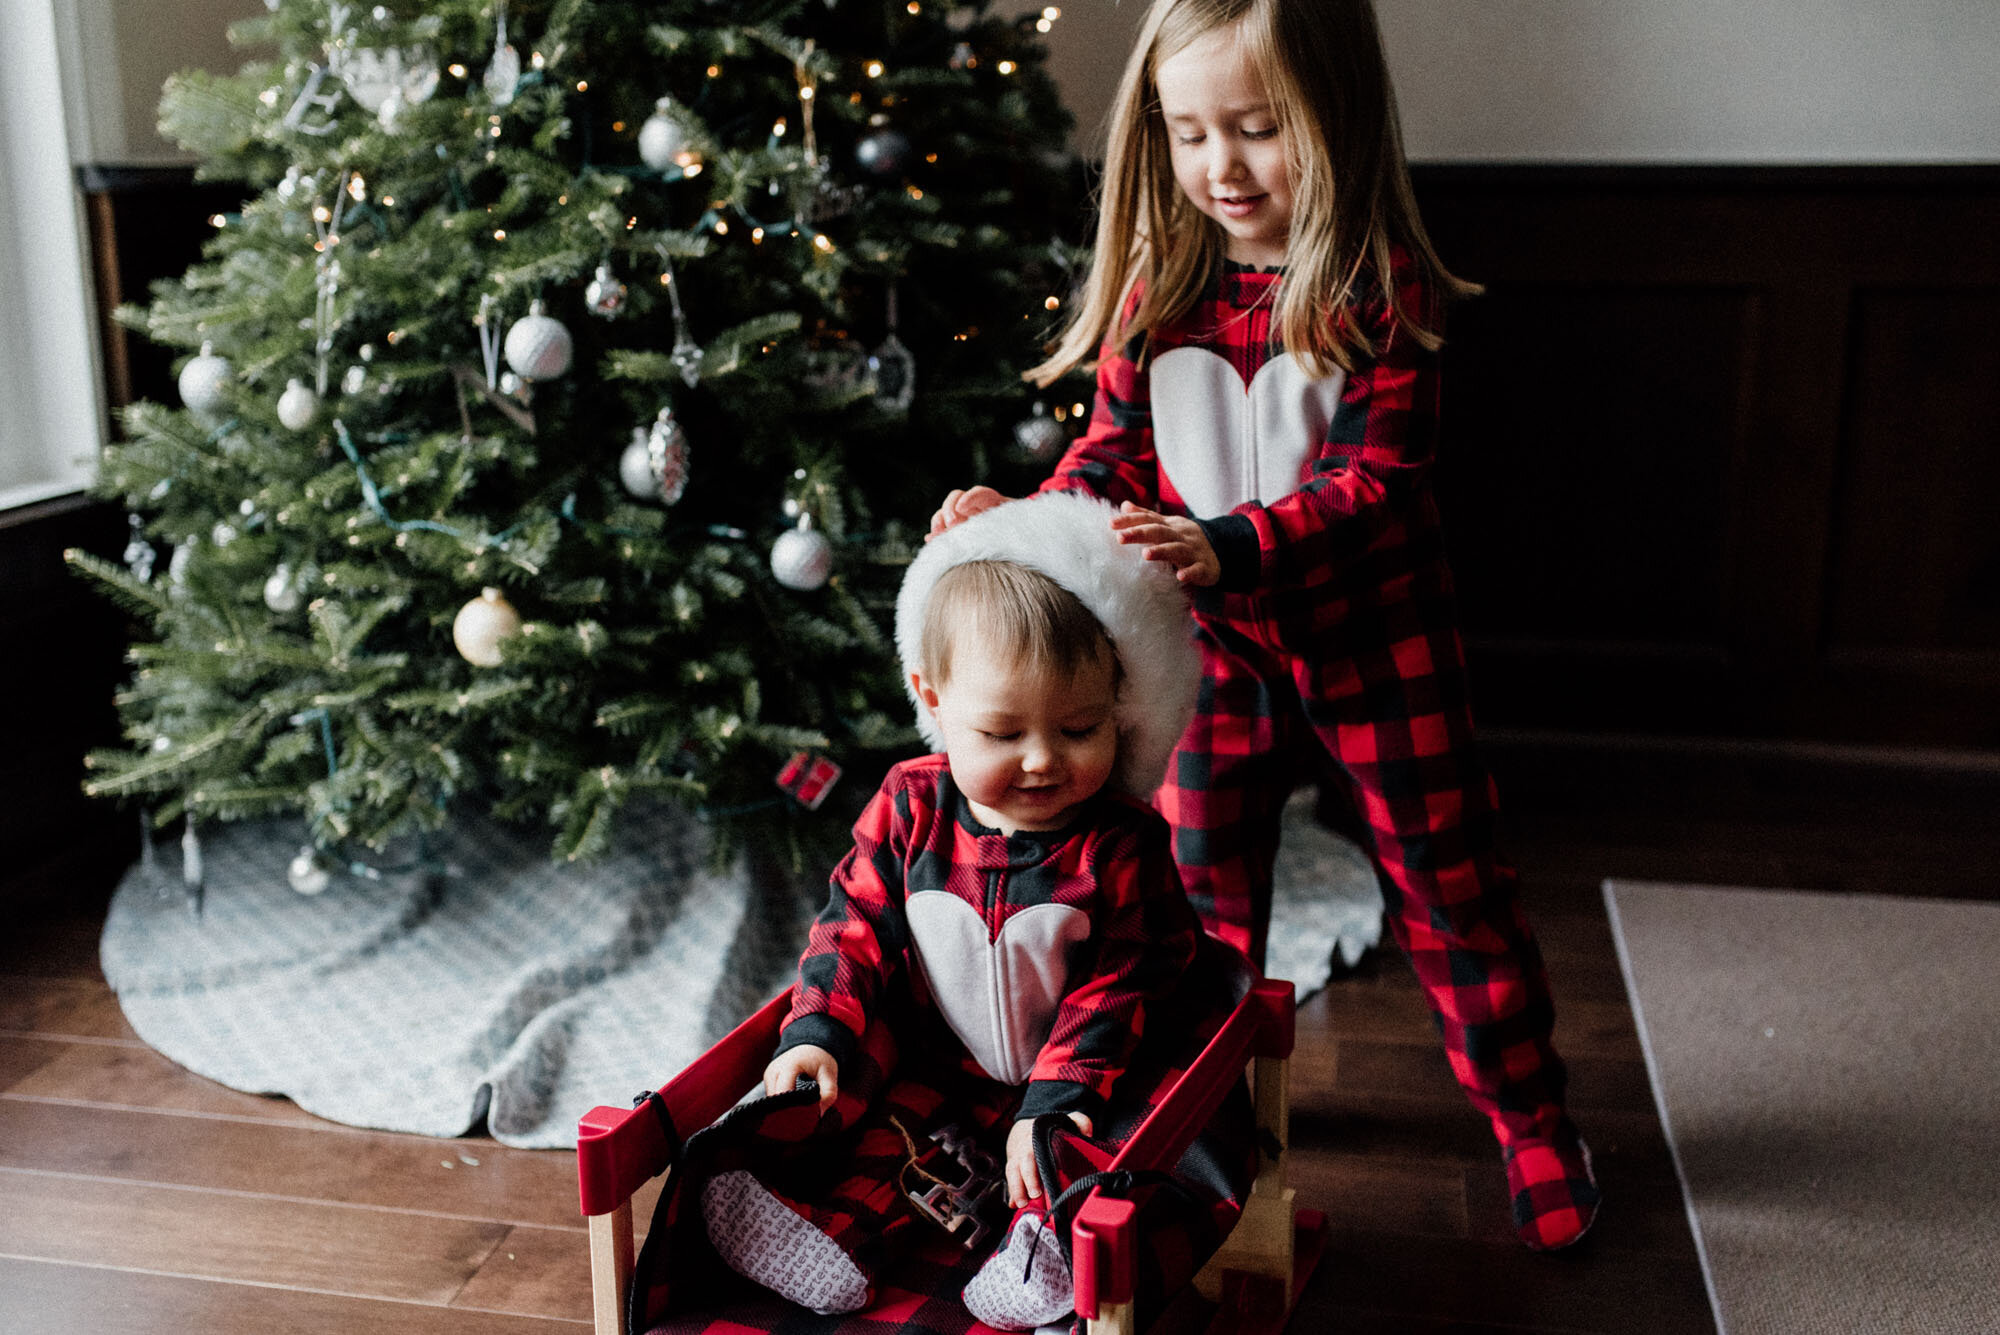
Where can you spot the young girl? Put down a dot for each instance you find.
(1270, 310)
(1010, 907)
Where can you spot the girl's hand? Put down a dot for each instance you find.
(1170, 538)
(1024, 1181)
(963, 505)
(807, 1060)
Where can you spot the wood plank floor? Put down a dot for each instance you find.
(136, 1197)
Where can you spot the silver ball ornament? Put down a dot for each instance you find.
(604, 296)
(538, 347)
(1040, 436)
(481, 625)
(308, 872)
(204, 382)
(802, 559)
(664, 139)
(883, 153)
(297, 406)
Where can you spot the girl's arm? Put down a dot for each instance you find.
(1375, 459)
(1146, 936)
(1114, 457)
(857, 939)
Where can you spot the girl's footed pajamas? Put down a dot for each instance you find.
(1333, 624)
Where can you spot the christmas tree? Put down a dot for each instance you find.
(565, 398)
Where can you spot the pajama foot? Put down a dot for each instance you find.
(1026, 1283)
(1555, 1194)
(762, 1238)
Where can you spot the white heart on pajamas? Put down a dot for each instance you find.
(998, 994)
(1223, 443)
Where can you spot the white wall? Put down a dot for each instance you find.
(51, 421)
(116, 56)
(1734, 81)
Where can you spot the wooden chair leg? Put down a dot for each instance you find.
(1261, 1242)
(610, 1268)
(1113, 1319)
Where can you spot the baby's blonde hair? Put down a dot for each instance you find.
(1036, 622)
(1322, 67)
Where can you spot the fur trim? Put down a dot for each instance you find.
(1068, 537)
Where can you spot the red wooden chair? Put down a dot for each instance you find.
(1255, 1277)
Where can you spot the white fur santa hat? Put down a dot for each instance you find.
(1068, 537)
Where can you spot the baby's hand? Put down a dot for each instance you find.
(1024, 1181)
(962, 505)
(1172, 539)
(807, 1060)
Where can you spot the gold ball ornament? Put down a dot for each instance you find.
(481, 625)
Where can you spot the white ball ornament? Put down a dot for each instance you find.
(281, 591)
(297, 406)
(664, 139)
(538, 347)
(204, 382)
(802, 558)
(635, 469)
(481, 625)
(308, 873)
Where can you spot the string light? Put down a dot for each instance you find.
(722, 227)
(456, 71)
(757, 236)
(715, 71)
(1076, 409)
(1008, 67)
(823, 243)
(357, 189)
(583, 85)
(874, 69)
(499, 234)
(217, 220)
(1052, 303)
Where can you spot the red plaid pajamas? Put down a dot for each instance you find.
(917, 840)
(1333, 625)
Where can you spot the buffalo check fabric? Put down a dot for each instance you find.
(1333, 630)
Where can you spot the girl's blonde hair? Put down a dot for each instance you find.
(1322, 67)
(1034, 621)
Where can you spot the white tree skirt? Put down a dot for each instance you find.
(513, 988)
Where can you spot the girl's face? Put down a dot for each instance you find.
(1228, 147)
(1027, 749)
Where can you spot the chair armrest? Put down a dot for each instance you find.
(1104, 1237)
(619, 1149)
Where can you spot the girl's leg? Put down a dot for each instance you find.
(1226, 786)
(1397, 719)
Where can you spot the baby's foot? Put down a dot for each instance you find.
(1026, 1283)
(764, 1237)
(1555, 1195)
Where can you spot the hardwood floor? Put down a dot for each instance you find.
(138, 1197)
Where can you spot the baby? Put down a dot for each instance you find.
(1012, 897)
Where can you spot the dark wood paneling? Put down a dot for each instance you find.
(62, 664)
(1719, 448)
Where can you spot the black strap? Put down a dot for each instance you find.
(667, 1127)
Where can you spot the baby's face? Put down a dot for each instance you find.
(1026, 748)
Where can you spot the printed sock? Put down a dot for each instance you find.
(762, 1237)
(1025, 1283)
(1555, 1194)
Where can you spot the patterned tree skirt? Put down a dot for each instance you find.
(512, 988)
